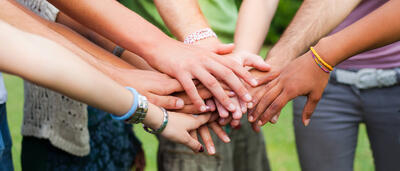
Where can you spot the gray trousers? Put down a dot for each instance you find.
(245, 152)
(329, 142)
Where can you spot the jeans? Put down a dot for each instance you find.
(329, 142)
(5, 141)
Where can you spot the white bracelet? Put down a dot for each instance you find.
(199, 35)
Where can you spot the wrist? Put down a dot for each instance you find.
(331, 54)
(154, 117)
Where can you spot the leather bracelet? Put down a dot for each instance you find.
(118, 51)
(163, 125)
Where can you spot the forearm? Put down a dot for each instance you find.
(117, 23)
(59, 69)
(253, 23)
(131, 58)
(313, 20)
(182, 17)
(379, 28)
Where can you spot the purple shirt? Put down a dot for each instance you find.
(384, 57)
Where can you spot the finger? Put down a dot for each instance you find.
(214, 117)
(255, 127)
(213, 85)
(309, 108)
(210, 105)
(223, 49)
(268, 77)
(193, 134)
(192, 143)
(238, 112)
(274, 119)
(239, 70)
(265, 101)
(223, 113)
(172, 86)
(219, 131)
(207, 140)
(225, 121)
(191, 91)
(275, 107)
(235, 124)
(231, 79)
(243, 106)
(198, 120)
(167, 102)
(203, 92)
(256, 61)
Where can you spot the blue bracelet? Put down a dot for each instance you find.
(133, 108)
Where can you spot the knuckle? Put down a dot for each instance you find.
(212, 83)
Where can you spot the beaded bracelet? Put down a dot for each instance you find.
(320, 66)
(199, 35)
(133, 108)
(163, 125)
(329, 67)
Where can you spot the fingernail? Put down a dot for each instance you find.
(306, 122)
(259, 123)
(179, 103)
(254, 82)
(244, 109)
(250, 105)
(201, 149)
(227, 139)
(222, 120)
(203, 108)
(247, 97)
(211, 149)
(231, 107)
(208, 108)
(231, 93)
(251, 118)
(275, 119)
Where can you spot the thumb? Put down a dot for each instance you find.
(199, 120)
(223, 49)
(256, 61)
(167, 102)
(193, 144)
(309, 108)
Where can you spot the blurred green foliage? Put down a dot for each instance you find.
(284, 14)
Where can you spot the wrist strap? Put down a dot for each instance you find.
(329, 67)
(163, 125)
(199, 35)
(133, 108)
(118, 51)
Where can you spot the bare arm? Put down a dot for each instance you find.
(169, 56)
(304, 77)
(313, 20)
(253, 23)
(103, 42)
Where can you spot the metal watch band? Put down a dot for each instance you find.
(163, 125)
(141, 111)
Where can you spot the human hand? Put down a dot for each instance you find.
(185, 62)
(156, 86)
(300, 77)
(205, 134)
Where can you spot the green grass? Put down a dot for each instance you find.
(279, 137)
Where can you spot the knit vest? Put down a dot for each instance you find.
(50, 115)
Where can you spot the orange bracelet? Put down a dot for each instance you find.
(329, 67)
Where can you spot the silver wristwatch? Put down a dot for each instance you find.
(141, 111)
